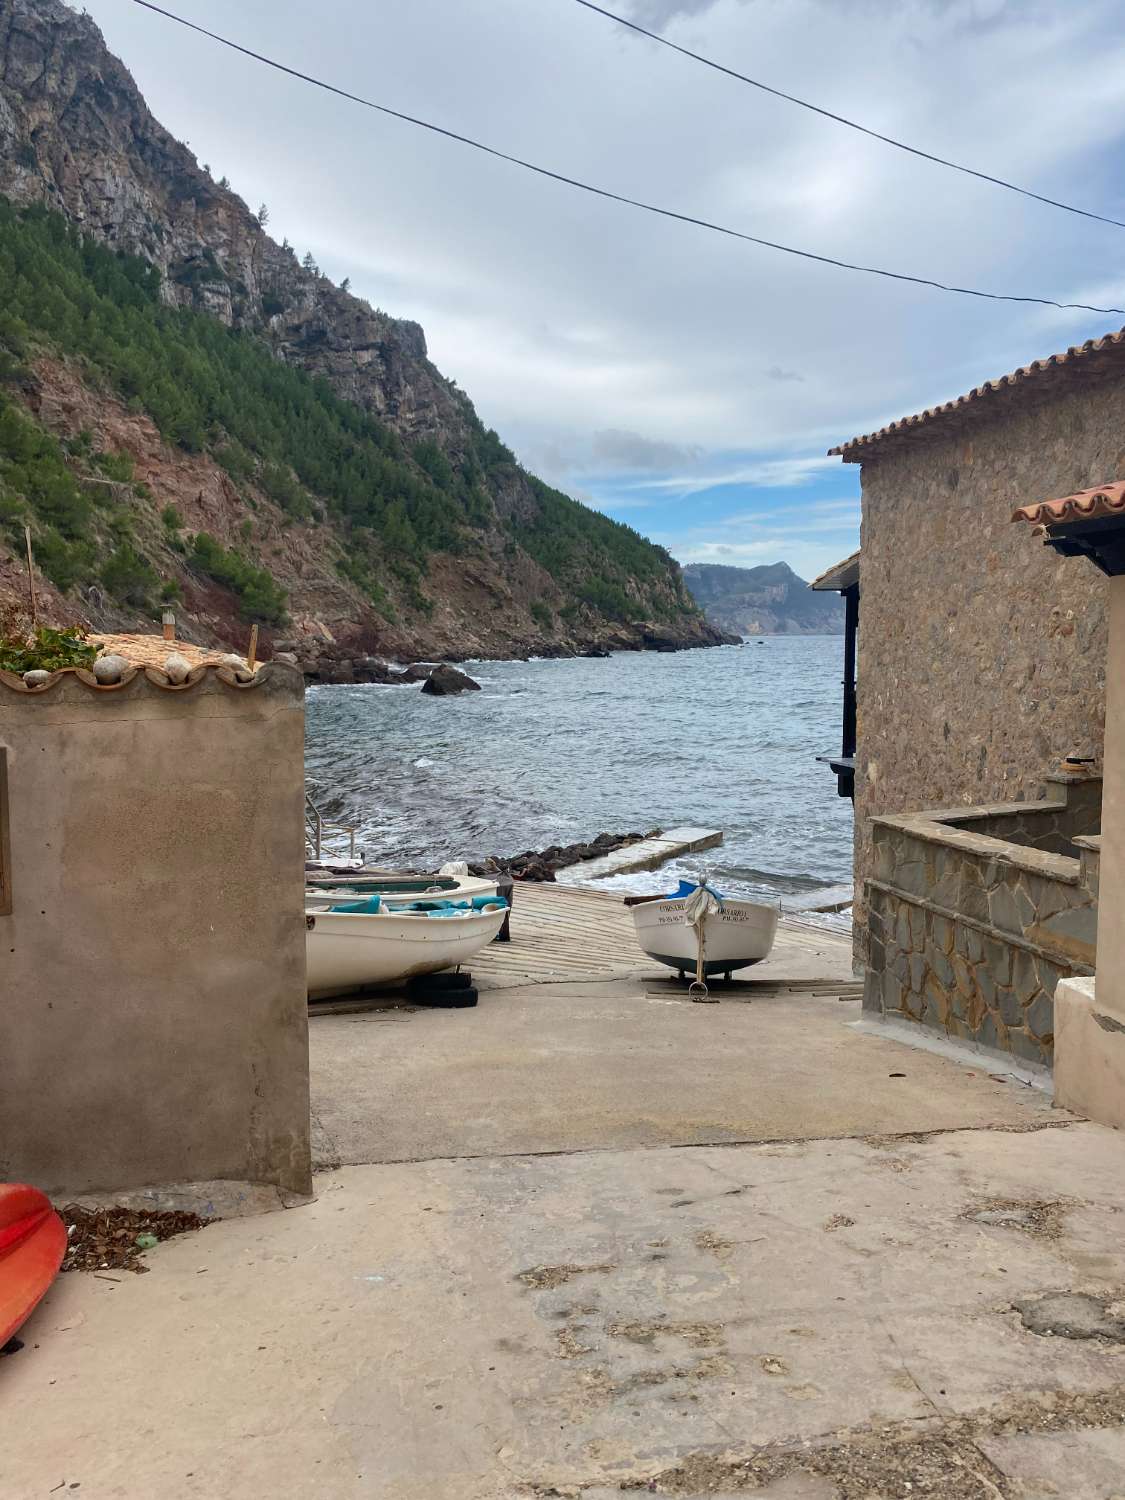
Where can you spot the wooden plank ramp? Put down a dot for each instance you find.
(565, 932)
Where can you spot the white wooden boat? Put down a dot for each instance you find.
(350, 950)
(735, 933)
(394, 890)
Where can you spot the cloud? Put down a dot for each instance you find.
(657, 13)
(773, 473)
(615, 448)
(600, 335)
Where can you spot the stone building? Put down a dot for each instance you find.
(981, 667)
(981, 662)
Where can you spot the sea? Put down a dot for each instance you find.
(554, 752)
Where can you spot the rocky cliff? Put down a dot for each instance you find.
(513, 567)
(769, 600)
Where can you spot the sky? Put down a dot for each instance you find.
(680, 381)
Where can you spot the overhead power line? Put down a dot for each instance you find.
(586, 187)
(888, 140)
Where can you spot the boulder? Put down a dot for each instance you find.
(595, 652)
(287, 656)
(416, 672)
(659, 638)
(336, 671)
(371, 669)
(444, 680)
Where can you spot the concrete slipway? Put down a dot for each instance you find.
(591, 1239)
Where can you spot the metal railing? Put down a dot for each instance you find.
(318, 829)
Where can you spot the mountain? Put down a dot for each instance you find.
(769, 600)
(190, 414)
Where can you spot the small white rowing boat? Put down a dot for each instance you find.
(395, 890)
(351, 950)
(701, 933)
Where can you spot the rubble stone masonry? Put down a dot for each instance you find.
(981, 652)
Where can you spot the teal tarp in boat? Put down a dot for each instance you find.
(373, 904)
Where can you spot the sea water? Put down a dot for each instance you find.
(553, 752)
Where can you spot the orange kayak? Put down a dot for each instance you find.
(32, 1246)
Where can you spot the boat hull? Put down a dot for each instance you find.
(739, 935)
(397, 891)
(354, 950)
(32, 1246)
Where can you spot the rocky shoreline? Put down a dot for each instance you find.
(322, 664)
(542, 865)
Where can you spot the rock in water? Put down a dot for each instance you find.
(110, 669)
(444, 680)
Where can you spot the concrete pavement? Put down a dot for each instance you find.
(580, 1067)
(590, 1239)
(819, 1320)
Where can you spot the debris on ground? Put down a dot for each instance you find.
(114, 1239)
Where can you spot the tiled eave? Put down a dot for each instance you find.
(1089, 523)
(1105, 500)
(844, 575)
(1091, 360)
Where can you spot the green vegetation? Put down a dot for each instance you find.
(129, 577)
(37, 485)
(585, 552)
(44, 650)
(210, 388)
(542, 615)
(259, 595)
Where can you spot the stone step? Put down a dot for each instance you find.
(649, 854)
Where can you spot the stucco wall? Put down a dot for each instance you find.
(153, 1021)
(981, 652)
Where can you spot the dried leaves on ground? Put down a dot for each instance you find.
(105, 1239)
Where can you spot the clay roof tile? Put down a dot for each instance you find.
(1076, 360)
(1086, 505)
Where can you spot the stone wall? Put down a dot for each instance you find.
(154, 1028)
(981, 652)
(969, 935)
(1071, 809)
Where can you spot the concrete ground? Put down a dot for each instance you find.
(629, 1063)
(599, 1240)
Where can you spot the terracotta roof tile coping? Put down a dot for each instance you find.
(225, 674)
(856, 448)
(1086, 505)
(154, 650)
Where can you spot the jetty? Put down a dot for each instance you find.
(649, 854)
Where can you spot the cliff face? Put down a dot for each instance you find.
(769, 600)
(77, 137)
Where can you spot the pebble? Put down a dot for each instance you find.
(237, 665)
(36, 677)
(109, 669)
(176, 668)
